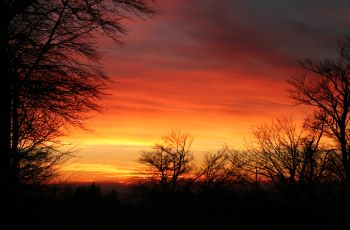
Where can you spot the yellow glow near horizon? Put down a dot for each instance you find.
(106, 141)
(96, 172)
(88, 167)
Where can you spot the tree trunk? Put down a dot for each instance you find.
(344, 153)
(15, 133)
(5, 105)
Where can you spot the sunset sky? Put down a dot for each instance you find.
(213, 69)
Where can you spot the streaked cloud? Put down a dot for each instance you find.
(211, 68)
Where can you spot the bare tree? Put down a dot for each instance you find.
(169, 162)
(326, 87)
(50, 70)
(221, 169)
(40, 152)
(290, 157)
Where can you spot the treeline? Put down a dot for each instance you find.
(204, 203)
(283, 162)
(288, 176)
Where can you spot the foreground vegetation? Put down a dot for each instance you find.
(86, 207)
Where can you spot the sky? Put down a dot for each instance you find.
(212, 69)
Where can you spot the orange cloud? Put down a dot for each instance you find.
(211, 69)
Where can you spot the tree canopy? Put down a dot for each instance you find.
(51, 74)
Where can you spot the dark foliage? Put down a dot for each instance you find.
(325, 86)
(87, 207)
(51, 77)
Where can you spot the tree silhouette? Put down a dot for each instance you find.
(326, 87)
(292, 158)
(222, 169)
(168, 162)
(50, 72)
